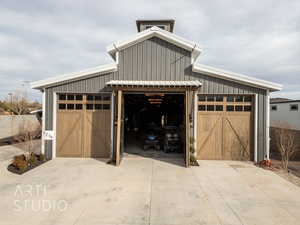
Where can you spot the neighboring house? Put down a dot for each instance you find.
(285, 111)
(156, 73)
(38, 113)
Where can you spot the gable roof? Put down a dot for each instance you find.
(74, 76)
(114, 48)
(240, 78)
(155, 32)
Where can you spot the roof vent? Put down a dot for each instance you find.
(167, 25)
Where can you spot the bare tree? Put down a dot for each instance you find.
(18, 103)
(28, 132)
(285, 139)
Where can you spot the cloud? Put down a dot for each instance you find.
(40, 39)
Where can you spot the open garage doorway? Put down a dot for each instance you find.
(154, 125)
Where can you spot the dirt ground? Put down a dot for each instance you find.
(293, 175)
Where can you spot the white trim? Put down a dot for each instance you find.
(54, 124)
(43, 120)
(117, 57)
(194, 56)
(255, 126)
(195, 121)
(268, 125)
(157, 32)
(74, 76)
(208, 70)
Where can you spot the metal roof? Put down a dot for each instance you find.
(74, 76)
(240, 78)
(155, 32)
(153, 83)
(285, 101)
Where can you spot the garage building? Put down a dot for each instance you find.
(155, 89)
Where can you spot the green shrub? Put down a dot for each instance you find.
(193, 161)
(41, 157)
(22, 166)
(33, 160)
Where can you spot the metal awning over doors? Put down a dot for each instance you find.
(153, 84)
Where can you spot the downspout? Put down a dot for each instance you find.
(43, 120)
(195, 122)
(255, 127)
(267, 125)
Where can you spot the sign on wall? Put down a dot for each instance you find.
(48, 135)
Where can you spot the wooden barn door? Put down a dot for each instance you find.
(187, 114)
(69, 141)
(225, 125)
(97, 126)
(119, 128)
(84, 125)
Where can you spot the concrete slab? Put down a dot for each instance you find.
(147, 191)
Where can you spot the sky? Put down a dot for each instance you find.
(40, 39)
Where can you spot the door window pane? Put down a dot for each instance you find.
(230, 108)
(90, 97)
(247, 108)
(106, 97)
(248, 98)
(70, 97)
(219, 108)
(89, 106)
(98, 97)
(78, 106)
(238, 108)
(219, 99)
(210, 98)
(230, 98)
(210, 107)
(201, 98)
(62, 106)
(201, 107)
(70, 106)
(106, 106)
(62, 97)
(78, 97)
(98, 106)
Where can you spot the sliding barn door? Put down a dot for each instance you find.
(225, 127)
(84, 125)
(119, 128)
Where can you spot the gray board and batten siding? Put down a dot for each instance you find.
(156, 59)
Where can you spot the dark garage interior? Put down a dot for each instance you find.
(154, 125)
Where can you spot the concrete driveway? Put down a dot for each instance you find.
(147, 191)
